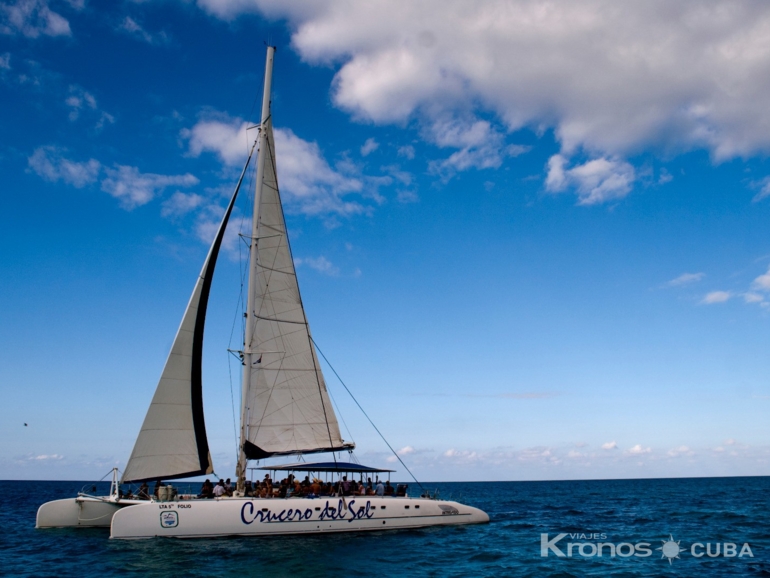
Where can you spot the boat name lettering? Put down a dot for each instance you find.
(286, 515)
(363, 511)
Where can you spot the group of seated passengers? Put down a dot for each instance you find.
(222, 488)
(292, 487)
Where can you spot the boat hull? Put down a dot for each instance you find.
(252, 517)
(82, 512)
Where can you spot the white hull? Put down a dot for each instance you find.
(260, 517)
(80, 512)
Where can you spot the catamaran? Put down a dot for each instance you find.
(285, 411)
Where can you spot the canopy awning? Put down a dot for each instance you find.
(324, 467)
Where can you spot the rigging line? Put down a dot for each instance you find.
(232, 403)
(299, 295)
(339, 413)
(366, 415)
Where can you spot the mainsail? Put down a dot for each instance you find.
(287, 407)
(172, 442)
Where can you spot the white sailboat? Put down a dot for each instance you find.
(285, 410)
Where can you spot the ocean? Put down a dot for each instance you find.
(661, 527)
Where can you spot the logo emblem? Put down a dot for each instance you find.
(670, 549)
(169, 519)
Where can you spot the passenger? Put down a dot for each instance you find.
(248, 491)
(369, 488)
(228, 487)
(306, 482)
(219, 489)
(157, 488)
(315, 487)
(345, 486)
(401, 490)
(144, 492)
(388, 489)
(283, 489)
(380, 489)
(207, 490)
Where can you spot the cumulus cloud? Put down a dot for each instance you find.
(369, 147)
(133, 28)
(762, 283)
(127, 184)
(680, 451)
(596, 181)
(50, 163)
(320, 264)
(134, 188)
(309, 184)
(77, 100)
(685, 279)
(225, 137)
(5, 61)
(480, 145)
(406, 151)
(608, 81)
(32, 18)
(716, 297)
(610, 446)
(180, 204)
(638, 450)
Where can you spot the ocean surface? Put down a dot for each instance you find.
(640, 514)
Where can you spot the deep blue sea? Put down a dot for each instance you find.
(707, 511)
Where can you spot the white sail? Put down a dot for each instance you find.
(172, 442)
(287, 406)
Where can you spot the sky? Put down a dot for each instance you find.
(531, 236)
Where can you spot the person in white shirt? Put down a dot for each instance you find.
(379, 490)
(219, 489)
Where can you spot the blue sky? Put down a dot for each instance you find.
(532, 237)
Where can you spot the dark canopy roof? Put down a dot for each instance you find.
(323, 467)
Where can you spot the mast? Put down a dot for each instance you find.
(240, 470)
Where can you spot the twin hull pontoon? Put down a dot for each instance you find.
(252, 517)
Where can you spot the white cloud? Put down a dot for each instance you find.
(225, 137)
(406, 151)
(309, 184)
(77, 100)
(762, 283)
(405, 451)
(369, 147)
(45, 457)
(50, 164)
(180, 204)
(406, 197)
(32, 18)
(609, 82)
(481, 145)
(753, 297)
(320, 264)
(764, 189)
(715, 297)
(685, 279)
(133, 188)
(596, 181)
(5, 61)
(638, 450)
(610, 446)
(133, 28)
(680, 451)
